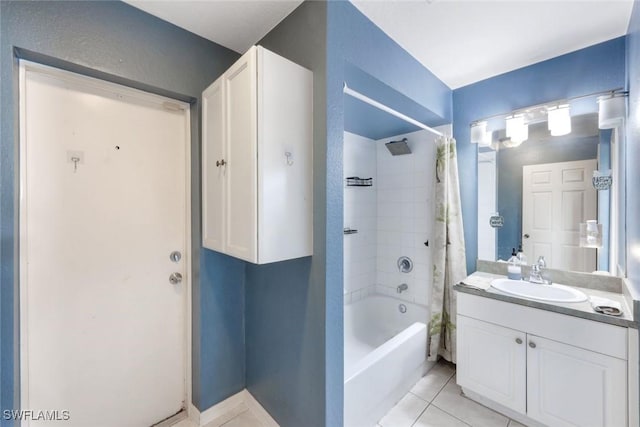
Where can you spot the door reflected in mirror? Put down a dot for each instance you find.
(536, 194)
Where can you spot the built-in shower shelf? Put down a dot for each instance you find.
(355, 181)
(348, 230)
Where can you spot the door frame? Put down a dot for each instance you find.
(75, 78)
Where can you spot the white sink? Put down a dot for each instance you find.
(550, 293)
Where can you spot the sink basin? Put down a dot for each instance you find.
(549, 293)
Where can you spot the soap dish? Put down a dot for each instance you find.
(611, 311)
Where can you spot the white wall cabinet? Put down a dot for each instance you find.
(503, 357)
(257, 160)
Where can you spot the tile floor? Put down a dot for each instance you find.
(245, 418)
(437, 401)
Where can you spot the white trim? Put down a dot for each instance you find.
(257, 410)
(228, 409)
(133, 95)
(217, 411)
(348, 91)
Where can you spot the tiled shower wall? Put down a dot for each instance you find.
(405, 215)
(360, 208)
(394, 217)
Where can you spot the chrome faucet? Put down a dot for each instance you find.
(402, 288)
(535, 276)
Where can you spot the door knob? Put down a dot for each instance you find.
(175, 278)
(220, 163)
(532, 344)
(526, 236)
(518, 341)
(175, 256)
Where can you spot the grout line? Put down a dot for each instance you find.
(415, 395)
(228, 421)
(450, 414)
(423, 411)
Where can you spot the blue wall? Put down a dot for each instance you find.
(509, 179)
(218, 329)
(285, 301)
(119, 43)
(597, 68)
(633, 150)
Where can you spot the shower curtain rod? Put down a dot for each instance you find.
(348, 91)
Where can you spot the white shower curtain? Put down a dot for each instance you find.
(449, 261)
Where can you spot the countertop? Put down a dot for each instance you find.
(579, 309)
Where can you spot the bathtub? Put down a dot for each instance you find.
(385, 354)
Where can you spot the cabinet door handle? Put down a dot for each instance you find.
(518, 341)
(220, 163)
(532, 344)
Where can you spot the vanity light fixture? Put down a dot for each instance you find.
(517, 130)
(590, 234)
(611, 110)
(559, 120)
(480, 135)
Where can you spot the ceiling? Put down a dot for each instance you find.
(460, 41)
(237, 25)
(465, 41)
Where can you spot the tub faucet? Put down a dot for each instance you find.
(402, 288)
(536, 272)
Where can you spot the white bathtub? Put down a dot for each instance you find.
(385, 354)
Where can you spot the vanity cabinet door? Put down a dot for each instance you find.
(570, 386)
(492, 362)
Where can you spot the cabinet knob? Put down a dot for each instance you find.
(518, 341)
(220, 163)
(532, 344)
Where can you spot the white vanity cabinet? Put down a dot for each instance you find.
(257, 159)
(492, 362)
(554, 369)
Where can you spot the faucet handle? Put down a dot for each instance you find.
(541, 262)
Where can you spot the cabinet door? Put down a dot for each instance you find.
(212, 175)
(492, 362)
(570, 386)
(241, 158)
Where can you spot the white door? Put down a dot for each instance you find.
(492, 362)
(556, 198)
(103, 331)
(571, 387)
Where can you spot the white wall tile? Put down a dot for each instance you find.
(405, 216)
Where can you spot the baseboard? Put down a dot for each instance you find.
(229, 408)
(257, 409)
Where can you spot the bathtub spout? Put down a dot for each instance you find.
(402, 288)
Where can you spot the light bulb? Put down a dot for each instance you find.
(559, 120)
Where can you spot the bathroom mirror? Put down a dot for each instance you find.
(539, 192)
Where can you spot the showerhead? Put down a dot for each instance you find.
(397, 148)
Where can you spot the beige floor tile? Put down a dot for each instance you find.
(245, 419)
(405, 413)
(450, 400)
(185, 423)
(431, 384)
(434, 417)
